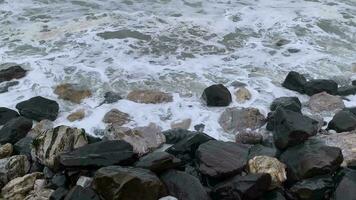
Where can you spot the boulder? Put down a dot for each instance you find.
(287, 103)
(243, 95)
(317, 188)
(99, 154)
(40, 127)
(14, 72)
(249, 187)
(7, 115)
(149, 96)
(14, 130)
(345, 188)
(143, 139)
(217, 159)
(111, 97)
(261, 150)
(325, 102)
(295, 81)
(13, 167)
(216, 95)
(43, 194)
(76, 116)
(85, 181)
(181, 124)
(59, 194)
(183, 186)
(4, 87)
(239, 119)
(6, 150)
(116, 183)
(39, 108)
(271, 166)
(320, 85)
(80, 193)
(343, 121)
(47, 146)
(292, 128)
(23, 146)
(174, 136)
(117, 117)
(249, 137)
(346, 90)
(72, 92)
(311, 159)
(159, 162)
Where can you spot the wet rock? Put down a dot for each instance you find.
(76, 116)
(99, 154)
(183, 124)
(85, 181)
(293, 50)
(354, 82)
(23, 146)
(261, 150)
(239, 119)
(243, 95)
(72, 92)
(59, 194)
(346, 90)
(282, 42)
(311, 159)
(249, 137)
(7, 115)
(80, 193)
(40, 127)
(345, 189)
(50, 144)
(14, 130)
(295, 81)
(117, 117)
(14, 72)
(292, 128)
(123, 34)
(325, 102)
(199, 127)
(158, 162)
(174, 136)
(116, 182)
(215, 160)
(58, 180)
(43, 194)
(39, 108)
(343, 121)
(237, 84)
(4, 87)
(112, 97)
(317, 188)
(143, 139)
(13, 167)
(183, 186)
(320, 85)
(249, 187)
(271, 166)
(6, 150)
(149, 96)
(217, 95)
(287, 103)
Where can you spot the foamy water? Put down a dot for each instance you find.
(176, 46)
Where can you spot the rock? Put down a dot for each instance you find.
(271, 166)
(317, 188)
(287, 103)
(345, 188)
(292, 128)
(260, 150)
(273, 195)
(174, 136)
(38, 108)
(295, 81)
(249, 137)
(117, 117)
(72, 92)
(183, 186)
(85, 181)
(18, 188)
(346, 90)
(99, 154)
(249, 187)
(13, 167)
(217, 95)
(39, 184)
(6, 150)
(40, 127)
(237, 84)
(58, 180)
(243, 95)
(149, 96)
(239, 119)
(59, 194)
(320, 85)
(7, 115)
(4, 87)
(80, 193)
(143, 139)
(354, 82)
(183, 124)
(14, 130)
(293, 50)
(47, 146)
(76, 116)
(124, 34)
(185, 148)
(215, 160)
(199, 127)
(325, 102)
(14, 72)
(343, 121)
(43, 194)
(23, 146)
(158, 162)
(111, 97)
(116, 182)
(168, 198)
(282, 42)
(311, 159)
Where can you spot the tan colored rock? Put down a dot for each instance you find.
(183, 124)
(76, 116)
(324, 102)
(43, 194)
(6, 150)
(72, 92)
(249, 137)
(269, 165)
(149, 96)
(40, 127)
(115, 116)
(243, 95)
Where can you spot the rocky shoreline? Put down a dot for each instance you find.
(285, 155)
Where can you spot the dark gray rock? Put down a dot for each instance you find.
(59, 194)
(14, 130)
(276, 194)
(317, 188)
(260, 150)
(58, 180)
(295, 81)
(6, 115)
(174, 136)
(158, 162)
(343, 121)
(346, 90)
(14, 72)
(80, 193)
(38, 108)
(23, 146)
(321, 85)
(217, 95)
(345, 189)
(4, 87)
(287, 103)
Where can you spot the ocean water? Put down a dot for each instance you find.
(177, 46)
